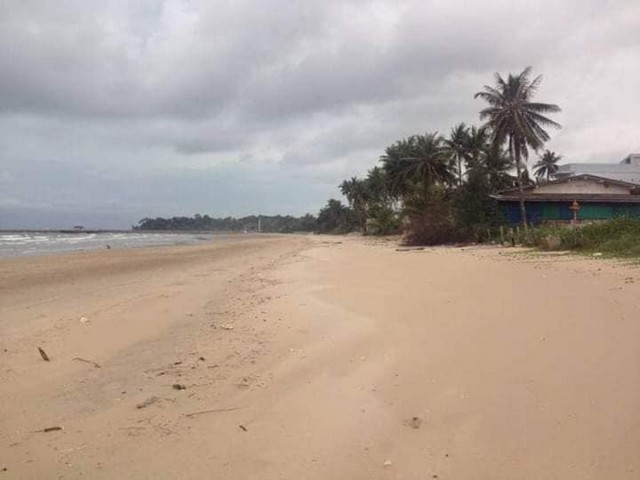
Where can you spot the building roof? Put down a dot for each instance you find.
(512, 195)
(628, 170)
(633, 187)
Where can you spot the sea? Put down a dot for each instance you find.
(32, 243)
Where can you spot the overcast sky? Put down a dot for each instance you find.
(115, 110)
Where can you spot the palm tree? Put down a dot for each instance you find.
(456, 147)
(498, 164)
(335, 217)
(417, 163)
(478, 145)
(377, 186)
(356, 192)
(349, 188)
(517, 121)
(547, 165)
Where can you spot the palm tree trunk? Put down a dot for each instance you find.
(523, 210)
(459, 171)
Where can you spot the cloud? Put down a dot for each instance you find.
(114, 104)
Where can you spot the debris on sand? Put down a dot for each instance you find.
(84, 319)
(415, 422)
(243, 428)
(179, 386)
(44, 355)
(409, 249)
(49, 429)
(387, 463)
(149, 401)
(91, 362)
(212, 410)
(227, 326)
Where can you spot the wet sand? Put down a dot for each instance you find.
(291, 357)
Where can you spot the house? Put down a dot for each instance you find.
(590, 191)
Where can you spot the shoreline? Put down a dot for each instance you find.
(318, 357)
(36, 244)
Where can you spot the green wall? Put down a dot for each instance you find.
(539, 212)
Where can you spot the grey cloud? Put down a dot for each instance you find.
(115, 104)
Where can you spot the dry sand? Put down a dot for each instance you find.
(319, 358)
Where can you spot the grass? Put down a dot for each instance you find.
(619, 237)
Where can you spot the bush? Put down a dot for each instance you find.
(618, 237)
(433, 226)
(383, 220)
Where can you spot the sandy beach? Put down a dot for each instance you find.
(306, 357)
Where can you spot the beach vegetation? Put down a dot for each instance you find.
(266, 223)
(438, 189)
(517, 122)
(547, 165)
(335, 217)
(619, 237)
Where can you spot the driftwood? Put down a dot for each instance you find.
(409, 249)
(212, 410)
(44, 355)
(48, 429)
(96, 365)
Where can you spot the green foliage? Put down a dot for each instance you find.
(547, 165)
(383, 220)
(619, 237)
(457, 149)
(439, 190)
(336, 218)
(371, 203)
(416, 190)
(416, 163)
(474, 209)
(432, 225)
(357, 194)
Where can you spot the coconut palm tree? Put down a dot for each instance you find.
(498, 164)
(356, 192)
(516, 120)
(417, 163)
(478, 145)
(547, 165)
(456, 147)
(349, 188)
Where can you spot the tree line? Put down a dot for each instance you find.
(268, 223)
(437, 189)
